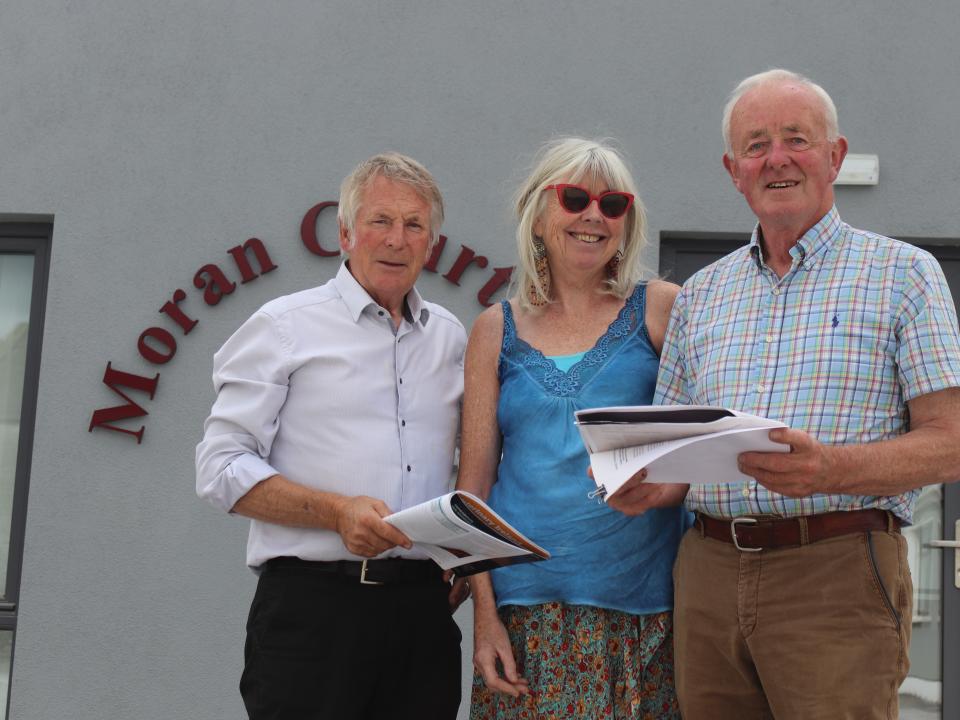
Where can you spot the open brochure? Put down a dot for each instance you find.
(460, 531)
(696, 444)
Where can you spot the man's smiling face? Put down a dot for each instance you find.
(389, 242)
(781, 159)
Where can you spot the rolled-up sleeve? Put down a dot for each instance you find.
(925, 321)
(251, 379)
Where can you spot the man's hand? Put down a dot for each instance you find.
(635, 496)
(359, 521)
(805, 470)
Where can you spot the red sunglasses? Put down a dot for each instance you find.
(612, 204)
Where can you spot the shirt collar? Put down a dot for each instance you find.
(357, 299)
(811, 246)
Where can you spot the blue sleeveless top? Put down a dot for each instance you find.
(600, 557)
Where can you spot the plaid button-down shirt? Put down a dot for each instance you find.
(857, 327)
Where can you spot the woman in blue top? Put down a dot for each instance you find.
(588, 633)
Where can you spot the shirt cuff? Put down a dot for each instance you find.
(240, 477)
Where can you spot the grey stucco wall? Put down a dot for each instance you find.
(158, 135)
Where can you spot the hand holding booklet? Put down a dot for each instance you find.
(696, 444)
(460, 532)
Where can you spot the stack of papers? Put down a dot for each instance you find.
(696, 444)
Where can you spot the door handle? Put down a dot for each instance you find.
(955, 544)
(951, 545)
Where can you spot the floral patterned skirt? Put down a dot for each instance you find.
(585, 663)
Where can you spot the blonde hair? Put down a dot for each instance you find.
(571, 159)
(396, 167)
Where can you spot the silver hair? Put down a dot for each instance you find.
(779, 75)
(396, 167)
(571, 159)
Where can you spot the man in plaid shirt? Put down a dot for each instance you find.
(793, 596)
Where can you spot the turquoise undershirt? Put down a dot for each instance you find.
(565, 362)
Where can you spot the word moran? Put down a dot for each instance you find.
(158, 345)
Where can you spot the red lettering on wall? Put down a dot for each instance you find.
(216, 283)
(176, 314)
(158, 345)
(431, 264)
(308, 230)
(114, 379)
(243, 265)
(462, 262)
(501, 276)
(164, 338)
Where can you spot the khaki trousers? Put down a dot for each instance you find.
(815, 632)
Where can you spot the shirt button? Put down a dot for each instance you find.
(776, 291)
(380, 313)
(761, 388)
(401, 381)
(408, 468)
(769, 338)
(403, 423)
(746, 491)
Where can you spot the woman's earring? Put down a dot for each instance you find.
(614, 265)
(543, 274)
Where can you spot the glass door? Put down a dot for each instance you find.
(930, 690)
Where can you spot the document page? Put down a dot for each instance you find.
(676, 444)
(619, 427)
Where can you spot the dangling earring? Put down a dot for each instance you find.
(613, 266)
(543, 274)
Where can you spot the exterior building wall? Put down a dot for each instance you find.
(158, 136)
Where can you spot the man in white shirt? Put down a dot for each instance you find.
(335, 407)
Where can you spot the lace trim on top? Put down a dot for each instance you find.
(544, 370)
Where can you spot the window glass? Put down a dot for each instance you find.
(6, 655)
(16, 286)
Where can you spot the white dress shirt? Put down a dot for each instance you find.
(319, 386)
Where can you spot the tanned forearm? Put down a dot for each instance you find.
(926, 455)
(283, 502)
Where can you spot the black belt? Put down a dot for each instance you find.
(388, 571)
(759, 533)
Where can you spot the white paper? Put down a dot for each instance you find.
(610, 436)
(698, 453)
(699, 460)
(433, 527)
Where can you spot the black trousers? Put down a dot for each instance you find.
(325, 646)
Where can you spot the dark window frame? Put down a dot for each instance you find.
(674, 244)
(27, 238)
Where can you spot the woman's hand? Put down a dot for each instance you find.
(459, 590)
(490, 645)
(636, 496)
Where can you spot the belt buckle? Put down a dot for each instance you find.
(363, 575)
(733, 533)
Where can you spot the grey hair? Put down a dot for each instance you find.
(571, 159)
(779, 75)
(396, 167)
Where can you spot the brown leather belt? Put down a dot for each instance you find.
(752, 534)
